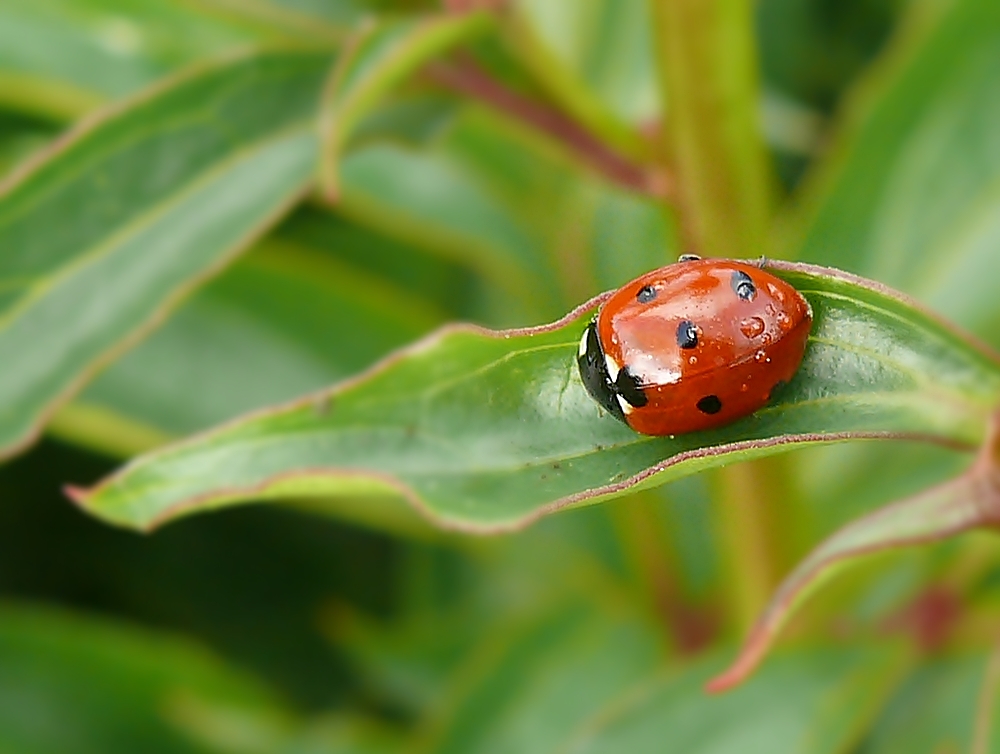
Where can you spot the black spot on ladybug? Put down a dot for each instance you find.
(710, 404)
(688, 258)
(743, 285)
(646, 294)
(687, 334)
(630, 389)
(779, 386)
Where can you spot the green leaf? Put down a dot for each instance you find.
(59, 58)
(910, 196)
(487, 431)
(816, 702)
(267, 330)
(462, 212)
(374, 61)
(147, 201)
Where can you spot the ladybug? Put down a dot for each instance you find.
(693, 345)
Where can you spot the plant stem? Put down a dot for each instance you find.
(709, 77)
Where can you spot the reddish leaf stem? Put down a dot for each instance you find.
(466, 77)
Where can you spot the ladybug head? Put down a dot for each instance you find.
(618, 393)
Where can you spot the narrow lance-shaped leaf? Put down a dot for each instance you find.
(376, 59)
(487, 431)
(102, 234)
(969, 501)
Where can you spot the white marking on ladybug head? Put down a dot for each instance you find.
(627, 408)
(583, 343)
(613, 367)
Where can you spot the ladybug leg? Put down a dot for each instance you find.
(760, 262)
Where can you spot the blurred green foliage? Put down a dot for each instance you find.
(500, 183)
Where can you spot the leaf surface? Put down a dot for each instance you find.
(146, 201)
(487, 431)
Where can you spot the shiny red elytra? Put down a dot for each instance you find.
(694, 345)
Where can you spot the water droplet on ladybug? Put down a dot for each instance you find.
(784, 322)
(776, 292)
(760, 356)
(693, 360)
(752, 327)
(744, 387)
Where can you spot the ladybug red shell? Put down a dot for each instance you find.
(694, 345)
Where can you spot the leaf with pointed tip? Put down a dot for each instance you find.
(375, 60)
(488, 431)
(969, 501)
(145, 201)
